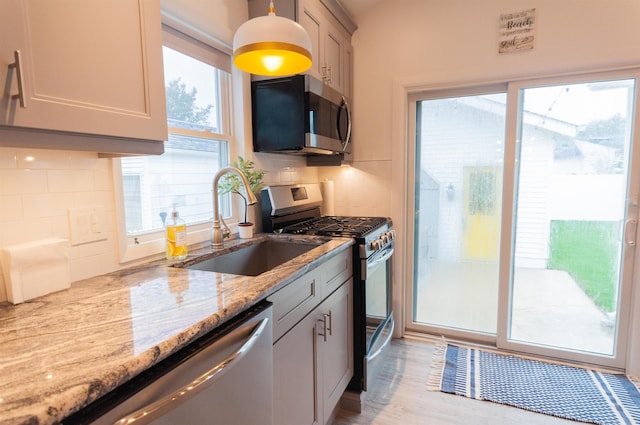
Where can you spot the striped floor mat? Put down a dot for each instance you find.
(568, 392)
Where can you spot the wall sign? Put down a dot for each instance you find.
(516, 31)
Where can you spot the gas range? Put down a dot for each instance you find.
(339, 226)
(296, 209)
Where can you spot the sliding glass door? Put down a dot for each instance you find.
(525, 215)
(574, 220)
(458, 198)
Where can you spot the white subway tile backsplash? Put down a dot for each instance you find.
(19, 181)
(36, 189)
(102, 179)
(46, 204)
(60, 226)
(54, 159)
(8, 158)
(102, 198)
(41, 160)
(10, 208)
(362, 189)
(70, 180)
(27, 230)
(88, 266)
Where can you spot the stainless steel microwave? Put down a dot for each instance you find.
(300, 115)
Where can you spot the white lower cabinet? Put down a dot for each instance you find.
(295, 376)
(336, 353)
(313, 360)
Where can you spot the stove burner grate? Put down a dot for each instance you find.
(337, 226)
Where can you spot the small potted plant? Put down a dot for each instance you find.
(231, 183)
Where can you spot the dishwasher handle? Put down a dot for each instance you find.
(154, 410)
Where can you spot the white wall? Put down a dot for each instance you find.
(406, 44)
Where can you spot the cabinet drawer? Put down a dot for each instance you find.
(294, 301)
(335, 272)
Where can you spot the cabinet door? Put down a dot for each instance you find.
(295, 375)
(347, 73)
(311, 19)
(337, 351)
(333, 49)
(91, 67)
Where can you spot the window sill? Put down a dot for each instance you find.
(199, 234)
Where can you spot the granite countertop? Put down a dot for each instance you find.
(60, 352)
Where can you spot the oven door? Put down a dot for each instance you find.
(379, 315)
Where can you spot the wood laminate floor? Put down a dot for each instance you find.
(399, 395)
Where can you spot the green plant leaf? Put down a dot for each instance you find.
(231, 182)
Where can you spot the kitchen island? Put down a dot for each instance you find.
(60, 352)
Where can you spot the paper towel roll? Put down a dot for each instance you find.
(35, 268)
(326, 189)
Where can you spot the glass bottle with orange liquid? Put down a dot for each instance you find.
(176, 230)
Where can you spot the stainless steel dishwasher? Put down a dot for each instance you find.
(224, 378)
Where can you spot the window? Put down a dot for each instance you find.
(197, 84)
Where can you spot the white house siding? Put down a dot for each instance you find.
(599, 197)
(532, 214)
(455, 136)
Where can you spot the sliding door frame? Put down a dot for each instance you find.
(406, 93)
(507, 243)
(413, 98)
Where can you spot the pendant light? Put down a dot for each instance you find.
(272, 45)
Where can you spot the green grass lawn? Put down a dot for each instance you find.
(588, 251)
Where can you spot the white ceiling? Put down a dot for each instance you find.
(355, 8)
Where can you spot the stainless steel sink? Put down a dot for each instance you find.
(255, 259)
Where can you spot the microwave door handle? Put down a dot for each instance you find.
(347, 139)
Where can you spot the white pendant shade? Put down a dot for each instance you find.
(272, 46)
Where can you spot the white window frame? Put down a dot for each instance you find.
(178, 36)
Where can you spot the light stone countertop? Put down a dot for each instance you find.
(60, 352)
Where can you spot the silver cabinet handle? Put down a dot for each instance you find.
(324, 333)
(156, 409)
(18, 66)
(327, 329)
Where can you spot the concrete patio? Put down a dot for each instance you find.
(549, 308)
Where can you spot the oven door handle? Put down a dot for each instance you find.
(373, 262)
(387, 322)
(384, 257)
(370, 356)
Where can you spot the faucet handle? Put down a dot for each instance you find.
(226, 232)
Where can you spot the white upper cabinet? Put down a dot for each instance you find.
(89, 67)
(330, 43)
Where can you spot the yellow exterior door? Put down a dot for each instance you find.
(481, 213)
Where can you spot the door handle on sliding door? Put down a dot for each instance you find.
(631, 241)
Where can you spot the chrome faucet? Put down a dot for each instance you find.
(217, 234)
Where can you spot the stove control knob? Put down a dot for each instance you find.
(376, 245)
(391, 234)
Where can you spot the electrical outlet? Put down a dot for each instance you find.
(87, 224)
